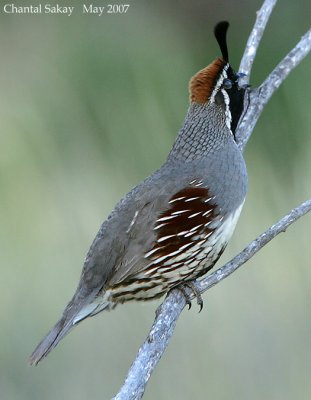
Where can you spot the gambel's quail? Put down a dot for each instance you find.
(173, 226)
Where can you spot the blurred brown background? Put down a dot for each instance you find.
(88, 107)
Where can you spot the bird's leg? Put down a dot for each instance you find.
(195, 291)
(182, 288)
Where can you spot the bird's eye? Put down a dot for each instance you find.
(227, 84)
(219, 98)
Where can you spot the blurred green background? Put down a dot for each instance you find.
(89, 106)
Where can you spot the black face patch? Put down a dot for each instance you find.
(236, 96)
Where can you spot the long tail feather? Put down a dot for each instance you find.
(73, 314)
(61, 328)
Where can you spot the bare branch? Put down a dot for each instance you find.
(282, 70)
(254, 39)
(258, 98)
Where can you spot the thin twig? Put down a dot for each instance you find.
(168, 313)
(258, 97)
(254, 39)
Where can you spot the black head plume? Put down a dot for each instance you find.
(220, 32)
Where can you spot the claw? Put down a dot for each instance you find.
(186, 295)
(195, 291)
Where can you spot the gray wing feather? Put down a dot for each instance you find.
(123, 239)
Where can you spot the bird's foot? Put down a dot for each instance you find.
(182, 287)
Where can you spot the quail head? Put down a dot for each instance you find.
(172, 227)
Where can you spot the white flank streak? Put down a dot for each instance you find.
(195, 228)
(185, 246)
(194, 215)
(151, 270)
(191, 199)
(152, 251)
(192, 182)
(166, 218)
(158, 260)
(196, 253)
(200, 183)
(174, 265)
(178, 198)
(207, 224)
(207, 235)
(180, 212)
(164, 238)
(158, 226)
(177, 252)
(209, 199)
(190, 234)
(132, 222)
(174, 253)
(207, 212)
(182, 233)
(197, 246)
(170, 262)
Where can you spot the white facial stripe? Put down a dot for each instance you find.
(219, 82)
(227, 111)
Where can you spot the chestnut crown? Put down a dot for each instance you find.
(218, 83)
